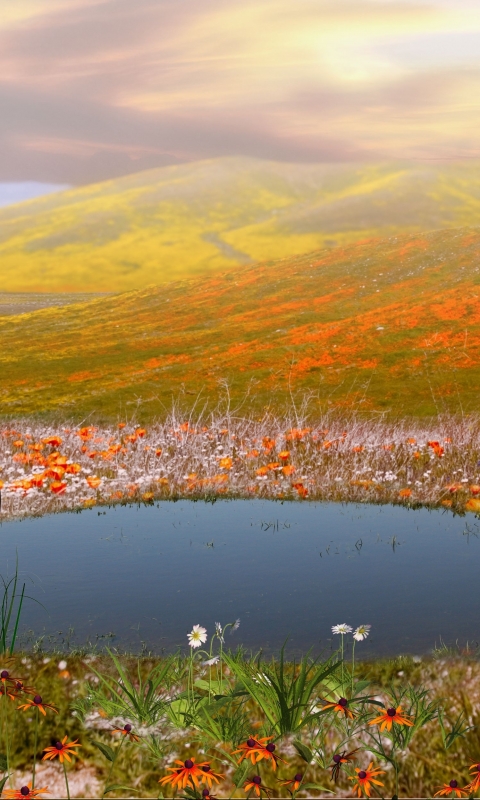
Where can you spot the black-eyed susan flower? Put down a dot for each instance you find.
(451, 789)
(37, 702)
(24, 792)
(251, 748)
(255, 784)
(209, 776)
(127, 731)
(268, 752)
(364, 779)
(341, 707)
(389, 716)
(188, 771)
(293, 785)
(339, 759)
(62, 750)
(474, 785)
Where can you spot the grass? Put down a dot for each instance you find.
(388, 326)
(45, 468)
(198, 219)
(75, 683)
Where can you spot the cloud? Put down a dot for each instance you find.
(91, 89)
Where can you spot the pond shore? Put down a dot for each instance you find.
(48, 468)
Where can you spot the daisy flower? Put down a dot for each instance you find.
(343, 628)
(361, 632)
(389, 716)
(365, 778)
(198, 636)
(451, 789)
(61, 749)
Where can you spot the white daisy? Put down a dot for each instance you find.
(342, 628)
(219, 631)
(361, 632)
(198, 636)
(235, 626)
(211, 661)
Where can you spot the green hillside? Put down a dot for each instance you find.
(194, 219)
(387, 325)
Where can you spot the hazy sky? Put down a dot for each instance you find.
(91, 89)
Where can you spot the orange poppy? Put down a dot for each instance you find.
(61, 749)
(53, 441)
(389, 716)
(58, 487)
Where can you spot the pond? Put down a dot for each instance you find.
(127, 574)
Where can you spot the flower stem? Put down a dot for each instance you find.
(113, 764)
(66, 780)
(35, 749)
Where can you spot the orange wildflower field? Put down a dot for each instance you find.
(384, 325)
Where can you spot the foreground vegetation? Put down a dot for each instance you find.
(390, 325)
(45, 469)
(197, 219)
(132, 726)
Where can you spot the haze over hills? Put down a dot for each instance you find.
(198, 219)
(389, 325)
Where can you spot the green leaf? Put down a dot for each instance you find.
(190, 793)
(105, 749)
(240, 774)
(3, 782)
(114, 786)
(3, 762)
(303, 751)
(218, 687)
(317, 787)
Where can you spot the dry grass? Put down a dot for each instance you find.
(46, 468)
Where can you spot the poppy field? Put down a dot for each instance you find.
(389, 325)
(219, 722)
(198, 219)
(45, 469)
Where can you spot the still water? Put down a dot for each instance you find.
(148, 574)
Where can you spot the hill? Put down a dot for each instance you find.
(201, 218)
(385, 325)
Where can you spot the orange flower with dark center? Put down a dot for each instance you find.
(127, 731)
(25, 791)
(365, 778)
(339, 759)
(251, 748)
(341, 707)
(268, 753)
(474, 785)
(187, 772)
(293, 785)
(61, 749)
(37, 702)
(390, 716)
(451, 789)
(256, 785)
(209, 776)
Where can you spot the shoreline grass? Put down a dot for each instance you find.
(48, 468)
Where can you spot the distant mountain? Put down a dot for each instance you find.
(390, 325)
(200, 218)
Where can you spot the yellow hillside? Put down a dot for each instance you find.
(193, 219)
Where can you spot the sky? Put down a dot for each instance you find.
(95, 89)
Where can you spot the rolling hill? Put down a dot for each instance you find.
(386, 325)
(201, 218)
